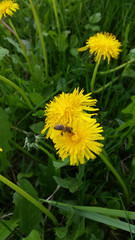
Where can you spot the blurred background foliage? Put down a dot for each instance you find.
(66, 25)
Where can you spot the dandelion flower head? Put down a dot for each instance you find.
(103, 45)
(66, 107)
(7, 7)
(72, 110)
(1, 149)
(81, 143)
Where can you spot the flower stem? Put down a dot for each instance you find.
(106, 85)
(45, 151)
(105, 159)
(22, 46)
(18, 89)
(24, 151)
(29, 198)
(56, 15)
(9, 28)
(94, 76)
(41, 37)
(117, 68)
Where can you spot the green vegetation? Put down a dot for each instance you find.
(41, 196)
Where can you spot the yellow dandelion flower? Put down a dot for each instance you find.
(72, 129)
(66, 107)
(81, 143)
(7, 7)
(103, 45)
(1, 149)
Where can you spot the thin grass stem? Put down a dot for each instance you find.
(45, 151)
(106, 85)
(41, 37)
(94, 76)
(18, 89)
(22, 46)
(9, 28)
(109, 165)
(24, 151)
(56, 15)
(117, 68)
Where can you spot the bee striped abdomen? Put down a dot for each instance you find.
(63, 128)
(59, 127)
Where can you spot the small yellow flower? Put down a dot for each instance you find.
(1, 149)
(79, 133)
(103, 45)
(81, 143)
(7, 6)
(66, 107)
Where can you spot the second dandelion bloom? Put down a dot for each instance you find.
(7, 7)
(71, 127)
(81, 143)
(103, 45)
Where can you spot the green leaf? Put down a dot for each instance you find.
(29, 215)
(132, 54)
(34, 235)
(129, 123)
(73, 184)
(75, 227)
(36, 98)
(93, 237)
(37, 127)
(15, 100)
(113, 203)
(45, 178)
(133, 168)
(24, 175)
(5, 136)
(61, 41)
(107, 220)
(74, 41)
(93, 214)
(61, 232)
(74, 52)
(16, 60)
(15, 44)
(60, 164)
(37, 77)
(128, 72)
(106, 211)
(39, 114)
(131, 107)
(3, 52)
(61, 84)
(69, 183)
(95, 28)
(87, 26)
(130, 141)
(95, 18)
(6, 227)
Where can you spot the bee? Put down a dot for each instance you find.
(63, 128)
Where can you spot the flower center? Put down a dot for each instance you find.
(76, 138)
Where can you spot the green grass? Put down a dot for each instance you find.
(56, 66)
